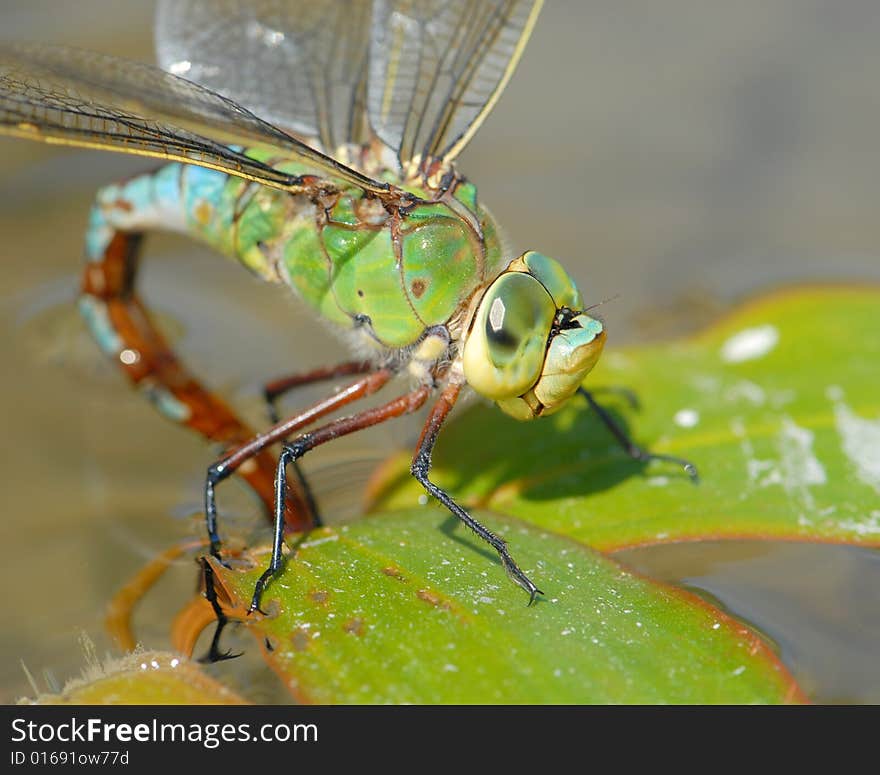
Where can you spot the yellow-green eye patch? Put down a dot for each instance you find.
(504, 352)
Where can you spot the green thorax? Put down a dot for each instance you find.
(391, 274)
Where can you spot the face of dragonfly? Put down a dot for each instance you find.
(529, 346)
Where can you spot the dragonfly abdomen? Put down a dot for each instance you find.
(145, 202)
(123, 327)
(202, 203)
(236, 217)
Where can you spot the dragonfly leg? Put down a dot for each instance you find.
(215, 654)
(273, 390)
(421, 464)
(233, 461)
(123, 328)
(629, 446)
(295, 449)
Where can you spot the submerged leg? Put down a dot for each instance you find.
(294, 450)
(234, 460)
(123, 328)
(629, 446)
(421, 464)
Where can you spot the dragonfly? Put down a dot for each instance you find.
(315, 142)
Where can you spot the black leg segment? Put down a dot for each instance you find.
(421, 464)
(295, 449)
(629, 446)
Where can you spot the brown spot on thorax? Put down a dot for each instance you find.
(319, 596)
(418, 288)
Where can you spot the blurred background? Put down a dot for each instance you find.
(677, 155)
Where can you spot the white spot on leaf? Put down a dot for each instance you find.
(868, 526)
(687, 418)
(797, 468)
(744, 390)
(749, 344)
(860, 439)
(801, 468)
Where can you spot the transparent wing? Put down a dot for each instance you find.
(301, 65)
(74, 97)
(437, 68)
(421, 75)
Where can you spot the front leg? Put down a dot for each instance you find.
(629, 446)
(421, 464)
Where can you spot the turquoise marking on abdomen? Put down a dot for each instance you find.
(167, 403)
(202, 187)
(166, 186)
(145, 202)
(98, 234)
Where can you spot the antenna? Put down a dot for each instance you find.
(600, 303)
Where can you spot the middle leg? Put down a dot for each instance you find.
(273, 390)
(231, 462)
(421, 464)
(294, 450)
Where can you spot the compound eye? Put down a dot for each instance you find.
(554, 278)
(519, 309)
(504, 354)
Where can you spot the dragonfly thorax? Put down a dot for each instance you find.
(528, 347)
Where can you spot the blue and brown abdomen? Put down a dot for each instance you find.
(124, 328)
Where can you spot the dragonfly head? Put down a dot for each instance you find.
(529, 347)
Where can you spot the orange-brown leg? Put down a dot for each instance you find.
(126, 333)
(405, 404)
(238, 457)
(273, 390)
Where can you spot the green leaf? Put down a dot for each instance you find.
(778, 405)
(404, 608)
(143, 678)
